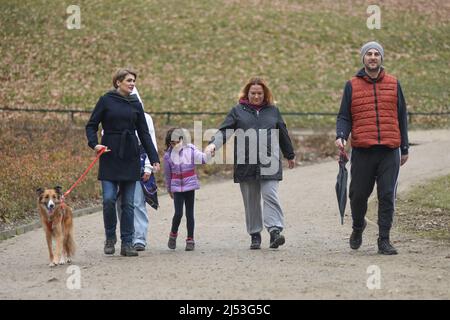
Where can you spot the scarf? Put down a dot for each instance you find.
(245, 102)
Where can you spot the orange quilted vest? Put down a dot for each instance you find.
(374, 112)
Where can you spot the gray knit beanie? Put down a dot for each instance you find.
(371, 45)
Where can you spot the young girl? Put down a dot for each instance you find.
(181, 182)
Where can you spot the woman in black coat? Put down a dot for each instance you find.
(120, 114)
(261, 137)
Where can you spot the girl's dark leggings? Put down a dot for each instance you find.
(187, 198)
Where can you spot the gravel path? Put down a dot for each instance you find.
(315, 263)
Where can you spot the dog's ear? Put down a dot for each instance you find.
(39, 191)
(58, 189)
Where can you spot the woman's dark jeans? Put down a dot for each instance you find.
(110, 189)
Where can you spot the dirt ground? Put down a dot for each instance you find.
(315, 263)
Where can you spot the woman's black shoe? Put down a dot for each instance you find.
(127, 250)
(256, 241)
(276, 239)
(109, 246)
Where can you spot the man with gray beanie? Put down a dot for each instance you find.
(373, 110)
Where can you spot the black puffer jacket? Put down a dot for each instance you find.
(120, 118)
(260, 160)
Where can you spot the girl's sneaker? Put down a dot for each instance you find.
(172, 244)
(190, 244)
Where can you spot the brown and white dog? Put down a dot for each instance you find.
(56, 218)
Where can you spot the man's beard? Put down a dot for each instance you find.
(376, 69)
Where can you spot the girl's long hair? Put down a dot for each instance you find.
(173, 134)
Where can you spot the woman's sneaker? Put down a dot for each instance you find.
(256, 241)
(139, 246)
(276, 239)
(190, 244)
(172, 244)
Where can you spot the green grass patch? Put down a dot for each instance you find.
(194, 55)
(425, 210)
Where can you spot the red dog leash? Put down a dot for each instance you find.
(84, 174)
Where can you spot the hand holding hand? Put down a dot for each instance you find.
(210, 149)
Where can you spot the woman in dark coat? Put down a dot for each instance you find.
(260, 133)
(120, 114)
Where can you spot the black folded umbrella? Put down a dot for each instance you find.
(150, 192)
(149, 187)
(341, 184)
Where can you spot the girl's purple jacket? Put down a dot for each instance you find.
(179, 168)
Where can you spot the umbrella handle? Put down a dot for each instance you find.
(343, 145)
(344, 154)
(342, 149)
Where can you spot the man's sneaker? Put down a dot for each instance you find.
(172, 244)
(385, 247)
(356, 237)
(109, 246)
(190, 244)
(139, 246)
(276, 239)
(256, 241)
(127, 250)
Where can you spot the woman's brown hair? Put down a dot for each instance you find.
(268, 97)
(121, 74)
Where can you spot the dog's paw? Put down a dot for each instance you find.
(52, 264)
(62, 260)
(69, 260)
